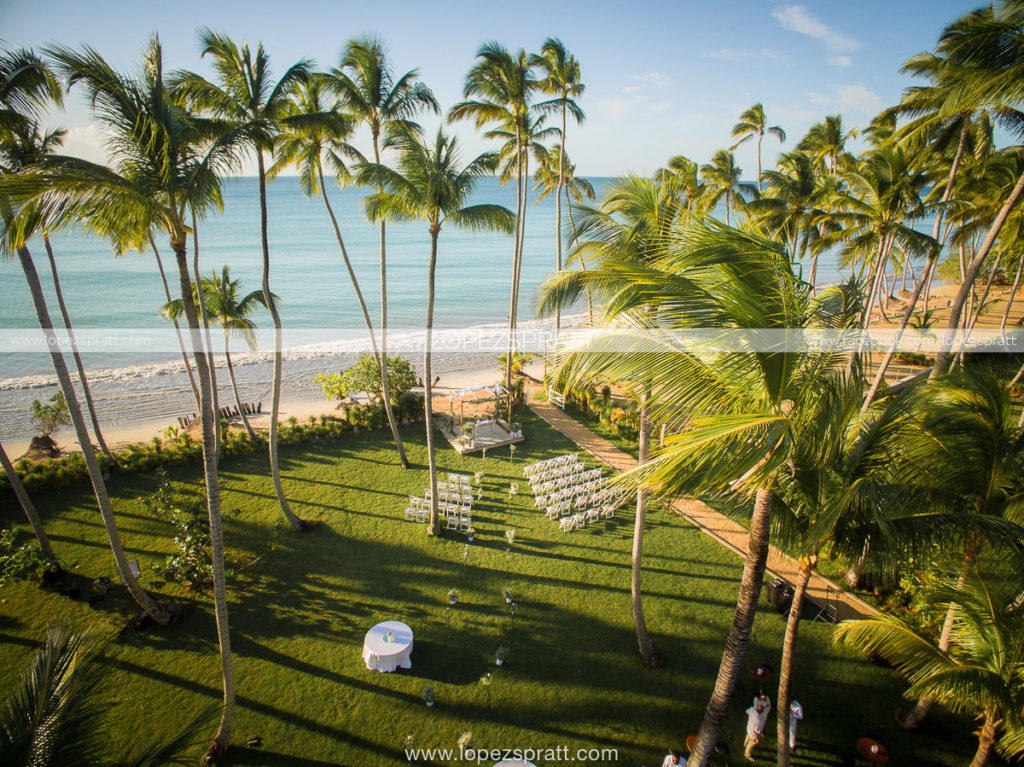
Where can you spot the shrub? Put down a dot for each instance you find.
(49, 417)
(191, 565)
(19, 562)
(364, 376)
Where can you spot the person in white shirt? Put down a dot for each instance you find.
(766, 702)
(756, 717)
(674, 759)
(796, 713)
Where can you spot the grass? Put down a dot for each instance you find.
(572, 677)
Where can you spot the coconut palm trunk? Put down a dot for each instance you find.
(731, 668)
(205, 317)
(26, 504)
(383, 356)
(86, 392)
(967, 285)
(213, 505)
(516, 244)
(234, 389)
(268, 297)
(785, 694)
(986, 741)
(435, 523)
(177, 327)
(583, 265)
(1013, 294)
(158, 612)
(558, 217)
(649, 651)
(380, 354)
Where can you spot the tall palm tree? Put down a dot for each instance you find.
(231, 313)
(632, 228)
(826, 142)
(26, 504)
(754, 123)
(430, 184)
(794, 206)
(166, 162)
(721, 179)
(549, 177)
(681, 177)
(876, 211)
(27, 87)
(248, 99)
(560, 77)
(24, 145)
(499, 90)
(370, 93)
(980, 674)
(731, 411)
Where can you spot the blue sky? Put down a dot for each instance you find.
(662, 78)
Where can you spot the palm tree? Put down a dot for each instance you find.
(54, 718)
(220, 296)
(794, 206)
(248, 99)
(167, 161)
(826, 142)
(549, 179)
(431, 185)
(560, 72)
(881, 195)
(27, 144)
(503, 86)
(722, 181)
(981, 673)
(371, 94)
(27, 86)
(731, 411)
(632, 228)
(26, 504)
(681, 177)
(753, 123)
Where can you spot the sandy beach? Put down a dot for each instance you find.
(299, 405)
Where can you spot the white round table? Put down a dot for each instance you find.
(382, 655)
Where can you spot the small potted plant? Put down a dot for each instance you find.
(510, 536)
(507, 593)
(428, 696)
(479, 477)
(453, 597)
(517, 429)
(513, 488)
(500, 654)
(470, 533)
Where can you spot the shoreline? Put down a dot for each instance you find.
(300, 406)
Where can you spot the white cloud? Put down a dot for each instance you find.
(653, 79)
(656, 108)
(619, 107)
(728, 54)
(796, 18)
(840, 61)
(855, 98)
(87, 142)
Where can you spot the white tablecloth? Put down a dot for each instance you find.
(381, 655)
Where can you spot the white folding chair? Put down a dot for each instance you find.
(410, 514)
(593, 515)
(565, 525)
(465, 522)
(608, 511)
(422, 515)
(578, 520)
(552, 512)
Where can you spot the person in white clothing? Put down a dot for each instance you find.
(796, 713)
(674, 759)
(756, 716)
(766, 703)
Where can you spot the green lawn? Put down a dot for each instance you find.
(299, 614)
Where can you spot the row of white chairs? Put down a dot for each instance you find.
(558, 460)
(561, 471)
(462, 479)
(580, 519)
(457, 517)
(554, 495)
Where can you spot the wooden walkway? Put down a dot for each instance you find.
(719, 527)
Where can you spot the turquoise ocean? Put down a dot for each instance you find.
(473, 281)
